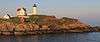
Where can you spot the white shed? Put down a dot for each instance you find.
(7, 16)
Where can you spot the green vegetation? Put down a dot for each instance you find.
(38, 19)
(2, 20)
(34, 19)
(13, 20)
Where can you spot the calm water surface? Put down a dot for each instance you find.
(67, 37)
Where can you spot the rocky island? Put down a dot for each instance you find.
(24, 24)
(40, 24)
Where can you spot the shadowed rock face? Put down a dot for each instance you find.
(39, 23)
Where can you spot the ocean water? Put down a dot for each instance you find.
(63, 37)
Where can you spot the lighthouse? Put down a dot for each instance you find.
(34, 9)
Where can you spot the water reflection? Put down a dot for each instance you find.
(67, 37)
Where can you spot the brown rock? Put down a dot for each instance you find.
(20, 27)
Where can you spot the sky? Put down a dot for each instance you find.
(85, 10)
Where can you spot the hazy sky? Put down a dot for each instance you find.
(87, 10)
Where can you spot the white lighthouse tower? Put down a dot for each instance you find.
(34, 10)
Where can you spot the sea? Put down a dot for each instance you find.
(61, 37)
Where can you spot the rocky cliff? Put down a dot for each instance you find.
(40, 24)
